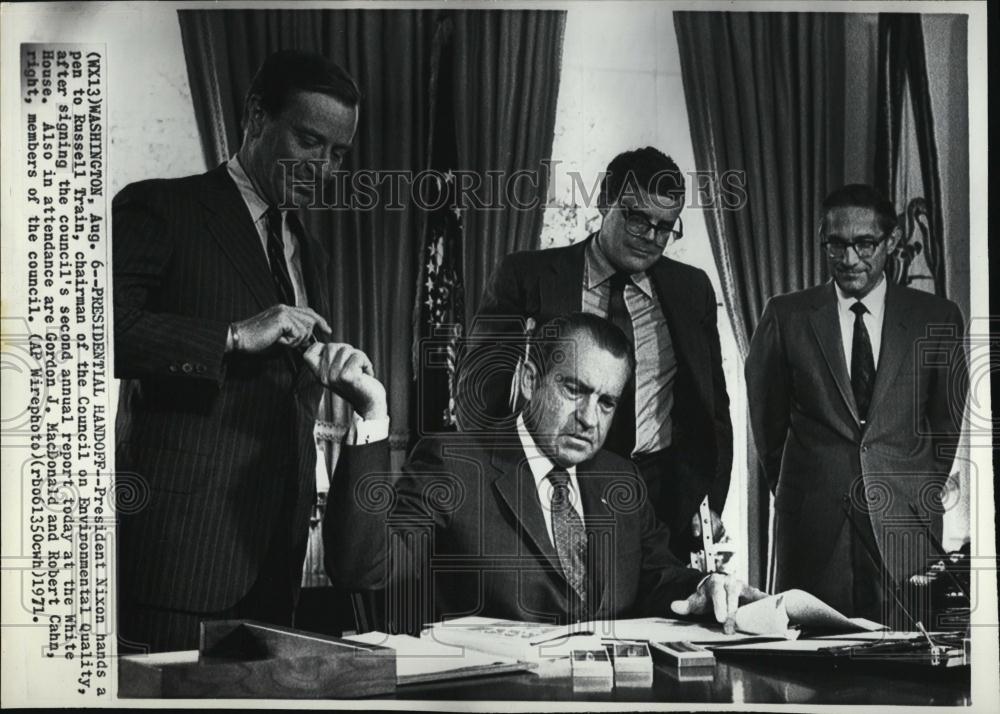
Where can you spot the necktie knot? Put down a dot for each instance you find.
(273, 218)
(859, 308)
(618, 281)
(559, 477)
(560, 499)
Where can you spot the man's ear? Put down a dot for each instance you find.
(255, 117)
(529, 377)
(893, 240)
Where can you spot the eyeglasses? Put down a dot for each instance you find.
(864, 247)
(637, 224)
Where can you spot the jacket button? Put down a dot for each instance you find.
(864, 447)
(199, 368)
(172, 368)
(187, 368)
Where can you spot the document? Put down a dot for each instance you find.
(525, 641)
(796, 608)
(420, 659)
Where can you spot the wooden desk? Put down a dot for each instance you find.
(736, 681)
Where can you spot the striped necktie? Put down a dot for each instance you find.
(276, 257)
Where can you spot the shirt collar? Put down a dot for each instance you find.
(874, 301)
(254, 201)
(598, 269)
(540, 464)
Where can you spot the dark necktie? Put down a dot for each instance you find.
(276, 257)
(862, 363)
(569, 534)
(621, 435)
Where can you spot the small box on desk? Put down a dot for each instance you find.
(683, 655)
(246, 659)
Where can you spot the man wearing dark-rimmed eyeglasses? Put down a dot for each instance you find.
(856, 390)
(673, 418)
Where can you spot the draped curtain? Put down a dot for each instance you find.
(765, 101)
(506, 82)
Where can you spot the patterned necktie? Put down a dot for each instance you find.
(276, 257)
(862, 362)
(621, 435)
(569, 534)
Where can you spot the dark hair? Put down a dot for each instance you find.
(648, 169)
(860, 195)
(288, 71)
(548, 341)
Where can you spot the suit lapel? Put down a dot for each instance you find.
(233, 229)
(897, 344)
(825, 324)
(685, 334)
(561, 288)
(516, 486)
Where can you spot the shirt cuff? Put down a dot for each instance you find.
(367, 431)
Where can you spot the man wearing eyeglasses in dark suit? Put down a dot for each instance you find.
(673, 420)
(856, 390)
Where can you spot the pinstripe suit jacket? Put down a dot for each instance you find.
(213, 444)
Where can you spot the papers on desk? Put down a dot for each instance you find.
(781, 616)
(525, 641)
(421, 660)
(662, 629)
(797, 608)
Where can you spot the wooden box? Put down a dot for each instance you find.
(246, 659)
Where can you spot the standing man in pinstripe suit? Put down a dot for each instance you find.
(217, 288)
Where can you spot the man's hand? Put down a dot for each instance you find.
(722, 594)
(278, 324)
(348, 372)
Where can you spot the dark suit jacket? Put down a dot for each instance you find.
(812, 446)
(461, 531)
(215, 443)
(546, 283)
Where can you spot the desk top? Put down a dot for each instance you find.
(735, 681)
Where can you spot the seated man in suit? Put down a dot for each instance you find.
(532, 522)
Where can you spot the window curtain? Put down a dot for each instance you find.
(373, 253)
(495, 80)
(906, 159)
(506, 82)
(764, 95)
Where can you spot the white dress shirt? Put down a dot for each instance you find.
(541, 465)
(873, 319)
(258, 210)
(655, 358)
